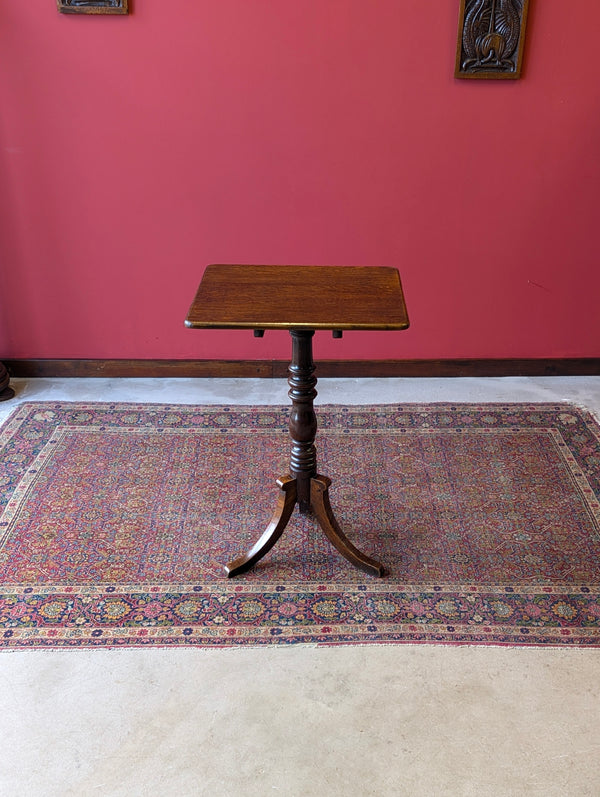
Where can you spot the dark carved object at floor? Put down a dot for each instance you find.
(93, 6)
(491, 36)
(6, 392)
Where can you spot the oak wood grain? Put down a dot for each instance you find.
(299, 297)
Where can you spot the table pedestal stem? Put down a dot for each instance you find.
(303, 485)
(303, 419)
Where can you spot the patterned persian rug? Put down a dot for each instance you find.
(116, 521)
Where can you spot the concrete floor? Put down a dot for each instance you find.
(375, 720)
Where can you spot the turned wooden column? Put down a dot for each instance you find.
(6, 391)
(303, 419)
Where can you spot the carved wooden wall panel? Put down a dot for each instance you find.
(491, 36)
(93, 6)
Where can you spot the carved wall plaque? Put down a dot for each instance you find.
(93, 6)
(491, 37)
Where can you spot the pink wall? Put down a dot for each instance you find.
(135, 150)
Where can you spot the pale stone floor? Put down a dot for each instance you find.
(372, 720)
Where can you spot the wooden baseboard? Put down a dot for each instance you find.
(30, 368)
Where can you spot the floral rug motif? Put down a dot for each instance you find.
(116, 521)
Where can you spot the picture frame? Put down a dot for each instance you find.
(491, 39)
(93, 6)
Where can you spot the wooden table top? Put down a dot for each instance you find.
(299, 297)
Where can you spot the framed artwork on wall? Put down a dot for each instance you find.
(93, 6)
(491, 37)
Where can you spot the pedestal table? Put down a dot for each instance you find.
(300, 299)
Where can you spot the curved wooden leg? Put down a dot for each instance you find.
(319, 494)
(283, 511)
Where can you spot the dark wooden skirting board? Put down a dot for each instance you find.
(139, 368)
(30, 368)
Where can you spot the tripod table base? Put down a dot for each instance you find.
(321, 506)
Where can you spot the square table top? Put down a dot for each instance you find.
(299, 297)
